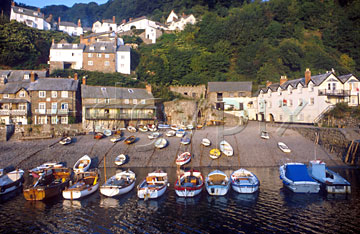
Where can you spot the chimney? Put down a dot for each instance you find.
(307, 76)
(53, 41)
(32, 77)
(183, 15)
(114, 19)
(12, 3)
(81, 38)
(39, 10)
(79, 23)
(75, 76)
(130, 19)
(268, 83)
(124, 21)
(84, 80)
(283, 79)
(148, 88)
(59, 19)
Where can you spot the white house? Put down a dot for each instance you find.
(106, 25)
(178, 23)
(34, 19)
(138, 23)
(66, 55)
(70, 28)
(305, 100)
(123, 59)
(172, 17)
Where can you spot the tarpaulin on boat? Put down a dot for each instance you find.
(297, 173)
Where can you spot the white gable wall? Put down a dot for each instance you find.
(39, 23)
(67, 55)
(123, 60)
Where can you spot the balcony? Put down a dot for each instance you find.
(336, 93)
(52, 111)
(117, 116)
(13, 112)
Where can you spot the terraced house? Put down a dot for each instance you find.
(114, 107)
(55, 100)
(15, 100)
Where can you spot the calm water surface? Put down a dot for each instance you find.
(272, 210)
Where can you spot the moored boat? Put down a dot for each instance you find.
(39, 169)
(174, 127)
(217, 183)
(160, 143)
(83, 164)
(226, 148)
(11, 181)
(330, 181)
(185, 140)
(86, 183)
(283, 147)
(189, 184)
(205, 142)
(170, 133)
(131, 128)
(142, 128)
(121, 183)
(107, 132)
(152, 127)
(264, 135)
(98, 135)
(154, 135)
(180, 133)
(183, 158)
(295, 177)
(116, 139)
(154, 185)
(163, 126)
(244, 181)
(50, 183)
(130, 140)
(190, 126)
(120, 159)
(214, 153)
(65, 141)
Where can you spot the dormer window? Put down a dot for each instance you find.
(91, 47)
(102, 48)
(130, 90)
(75, 46)
(21, 10)
(59, 45)
(26, 76)
(35, 13)
(5, 95)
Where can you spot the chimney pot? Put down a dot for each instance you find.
(59, 20)
(38, 10)
(114, 19)
(283, 79)
(130, 19)
(84, 80)
(307, 76)
(75, 76)
(268, 83)
(148, 88)
(53, 41)
(124, 21)
(12, 3)
(32, 77)
(79, 23)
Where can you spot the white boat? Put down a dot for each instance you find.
(183, 158)
(142, 128)
(153, 186)
(121, 183)
(284, 148)
(185, 140)
(190, 126)
(152, 127)
(83, 164)
(226, 148)
(131, 128)
(163, 126)
(11, 181)
(116, 139)
(205, 142)
(160, 143)
(180, 133)
(170, 133)
(107, 132)
(86, 183)
(264, 135)
(189, 184)
(65, 141)
(295, 177)
(39, 169)
(154, 135)
(217, 183)
(331, 182)
(244, 181)
(120, 159)
(174, 127)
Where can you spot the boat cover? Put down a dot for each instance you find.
(297, 173)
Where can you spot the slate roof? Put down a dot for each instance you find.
(230, 86)
(27, 12)
(68, 24)
(54, 84)
(109, 47)
(98, 34)
(344, 78)
(14, 87)
(18, 75)
(67, 46)
(108, 21)
(114, 92)
(123, 48)
(137, 19)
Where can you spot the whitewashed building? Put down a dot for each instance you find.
(66, 55)
(70, 28)
(175, 22)
(106, 25)
(123, 59)
(33, 19)
(305, 100)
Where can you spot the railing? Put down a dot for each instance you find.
(340, 93)
(52, 111)
(13, 112)
(321, 115)
(117, 116)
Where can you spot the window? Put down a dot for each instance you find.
(280, 117)
(6, 95)
(90, 63)
(280, 103)
(270, 104)
(64, 94)
(311, 87)
(90, 55)
(300, 102)
(91, 47)
(143, 101)
(6, 106)
(99, 55)
(134, 101)
(64, 106)
(107, 100)
(122, 57)
(107, 56)
(59, 45)
(231, 94)
(312, 101)
(107, 63)
(42, 106)
(122, 65)
(75, 45)
(54, 120)
(64, 120)
(102, 48)
(26, 76)
(126, 101)
(22, 106)
(42, 94)
(72, 54)
(54, 94)
(290, 102)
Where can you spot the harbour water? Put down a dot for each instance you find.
(273, 209)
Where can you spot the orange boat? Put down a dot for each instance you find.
(98, 135)
(130, 140)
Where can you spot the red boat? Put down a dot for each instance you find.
(98, 135)
(183, 158)
(189, 184)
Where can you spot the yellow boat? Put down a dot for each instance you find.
(215, 153)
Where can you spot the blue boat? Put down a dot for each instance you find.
(162, 126)
(330, 181)
(295, 177)
(185, 140)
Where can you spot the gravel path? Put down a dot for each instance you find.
(249, 150)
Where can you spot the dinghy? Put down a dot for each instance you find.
(330, 181)
(205, 142)
(142, 128)
(39, 169)
(199, 126)
(244, 181)
(83, 164)
(185, 140)
(174, 127)
(131, 129)
(163, 126)
(130, 140)
(86, 183)
(50, 184)
(215, 153)
(284, 148)
(120, 159)
(189, 184)
(217, 183)
(121, 183)
(153, 186)
(160, 143)
(180, 133)
(107, 132)
(152, 127)
(65, 141)
(226, 148)
(190, 126)
(116, 139)
(11, 181)
(154, 135)
(98, 135)
(170, 133)
(264, 135)
(183, 158)
(295, 177)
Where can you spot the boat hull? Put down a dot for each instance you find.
(244, 182)
(112, 190)
(340, 188)
(245, 188)
(188, 192)
(77, 194)
(11, 185)
(146, 193)
(298, 186)
(44, 192)
(217, 190)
